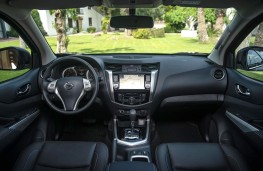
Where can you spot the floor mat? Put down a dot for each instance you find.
(85, 132)
(178, 132)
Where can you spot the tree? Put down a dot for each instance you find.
(219, 24)
(73, 14)
(156, 13)
(202, 32)
(259, 36)
(36, 17)
(62, 40)
(178, 17)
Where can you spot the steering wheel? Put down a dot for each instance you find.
(70, 90)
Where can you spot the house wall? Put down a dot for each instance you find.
(96, 19)
(48, 22)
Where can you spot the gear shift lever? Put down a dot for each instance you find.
(132, 119)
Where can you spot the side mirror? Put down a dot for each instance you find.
(14, 58)
(250, 58)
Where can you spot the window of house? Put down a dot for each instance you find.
(251, 58)
(70, 23)
(80, 11)
(90, 21)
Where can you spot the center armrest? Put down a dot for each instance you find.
(131, 166)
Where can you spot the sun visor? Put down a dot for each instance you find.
(53, 4)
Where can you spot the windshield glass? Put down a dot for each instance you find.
(176, 29)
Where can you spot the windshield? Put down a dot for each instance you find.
(176, 29)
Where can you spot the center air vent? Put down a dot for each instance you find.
(219, 74)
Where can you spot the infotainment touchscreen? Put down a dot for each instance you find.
(131, 82)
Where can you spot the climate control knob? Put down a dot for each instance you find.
(132, 100)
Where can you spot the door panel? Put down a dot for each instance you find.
(245, 111)
(18, 110)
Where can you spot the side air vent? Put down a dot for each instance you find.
(150, 67)
(42, 72)
(219, 74)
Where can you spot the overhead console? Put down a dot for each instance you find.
(132, 84)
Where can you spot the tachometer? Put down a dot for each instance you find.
(89, 74)
(69, 72)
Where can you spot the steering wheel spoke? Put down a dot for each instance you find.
(51, 87)
(87, 85)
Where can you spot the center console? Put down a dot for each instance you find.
(132, 84)
(131, 88)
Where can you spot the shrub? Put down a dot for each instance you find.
(212, 33)
(141, 34)
(174, 28)
(157, 33)
(12, 33)
(91, 29)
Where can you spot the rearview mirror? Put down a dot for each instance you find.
(131, 22)
(250, 58)
(14, 58)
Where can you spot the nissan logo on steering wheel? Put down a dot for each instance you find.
(68, 86)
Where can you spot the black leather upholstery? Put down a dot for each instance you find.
(198, 157)
(131, 166)
(59, 156)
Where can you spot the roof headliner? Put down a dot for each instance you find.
(58, 4)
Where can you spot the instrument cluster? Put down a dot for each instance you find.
(80, 71)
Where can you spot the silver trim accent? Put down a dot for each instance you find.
(57, 93)
(140, 142)
(109, 72)
(247, 93)
(78, 100)
(52, 89)
(22, 123)
(244, 126)
(224, 74)
(153, 83)
(140, 156)
(86, 84)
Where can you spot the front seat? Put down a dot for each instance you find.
(63, 155)
(199, 157)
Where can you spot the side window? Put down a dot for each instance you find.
(15, 58)
(249, 54)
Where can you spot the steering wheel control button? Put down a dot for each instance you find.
(68, 85)
(52, 87)
(116, 86)
(87, 85)
(148, 85)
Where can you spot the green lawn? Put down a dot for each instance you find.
(257, 75)
(120, 43)
(8, 74)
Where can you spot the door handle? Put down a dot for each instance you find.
(242, 90)
(24, 90)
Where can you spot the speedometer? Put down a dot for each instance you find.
(69, 72)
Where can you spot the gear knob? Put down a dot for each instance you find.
(132, 115)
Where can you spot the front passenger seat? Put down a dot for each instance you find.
(59, 156)
(199, 157)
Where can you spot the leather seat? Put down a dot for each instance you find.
(59, 156)
(199, 157)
